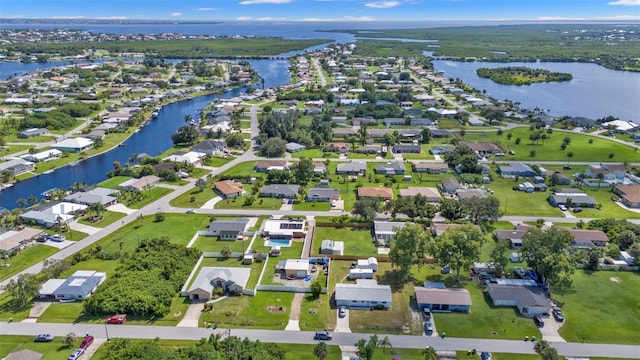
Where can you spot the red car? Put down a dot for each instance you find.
(88, 340)
(116, 319)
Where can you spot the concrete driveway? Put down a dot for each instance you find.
(550, 329)
(192, 315)
(342, 324)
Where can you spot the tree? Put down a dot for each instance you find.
(225, 252)
(97, 208)
(24, 288)
(367, 348)
(499, 257)
(70, 339)
(201, 184)
(430, 353)
(481, 209)
(316, 288)
(451, 209)
(53, 268)
(303, 171)
(459, 246)
(367, 208)
(600, 177)
(544, 349)
(185, 136)
(320, 350)
(385, 344)
(273, 147)
(464, 159)
(425, 135)
(235, 140)
(593, 258)
(408, 248)
(569, 156)
(544, 251)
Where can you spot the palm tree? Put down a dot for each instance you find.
(70, 339)
(32, 200)
(22, 203)
(430, 353)
(569, 156)
(600, 177)
(384, 344)
(320, 350)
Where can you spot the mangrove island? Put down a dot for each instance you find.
(521, 75)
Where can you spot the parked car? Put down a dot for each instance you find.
(511, 152)
(428, 327)
(562, 207)
(44, 338)
(342, 311)
(116, 319)
(190, 211)
(86, 342)
(76, 354)
(427, 313)
(323, 335)
(520, 272)
(577, 210)
(445, 269)
(557, 314)
(485, 355)
(58, 238)
(538, 320)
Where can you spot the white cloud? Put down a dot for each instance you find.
(346, 18)
(268, 18)
(625, 2)
(176, 13)
(207, 9)
(601, 18)
(244, 18)
(382, 4)
(255, 2)
(113, 18)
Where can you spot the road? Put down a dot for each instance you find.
(316, 64)
(306, 337)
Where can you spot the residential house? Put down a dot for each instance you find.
(343, 132)
(516, 169)
(629, 195)
(407, 149)
(96, 135)
(529, 300)
(323, 194)
(513, 236)
(13, 239)
(443, 299)
(284, 229)
(475, 121)
(385, 231)
(232, 280)
(295, 147)
(210, 147)
(587, 239)
(49, 214)
(562, 179)
(430, 193)
(375, 192)
(17, 166)
(285, 191)
(445, 113)
(449, 185)
(332, 247)
(230, 230)
(359, 121)
(228, 188)
(390, 168)
(364, 294)
(483, 148)
(76, 287)
(439, 134)
(611, 174)
(441, 149)
(139, 185)
(338, 147)
(394, 121)
(78, 144)
(578, 198)
(103, 196)
(266, 166)
(190, 157)
(294, 268)
(352, 168)
(370, 149)
(33, 132)
(421, 122)
(430, 167)
(462, 194)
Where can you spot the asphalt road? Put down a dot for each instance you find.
(306, 337)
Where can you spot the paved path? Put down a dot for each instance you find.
(316, 64)
(294, 314)
(342, 324)
(306, 337)
(37, 309)
(97, 342)
(192, 315)
(121, 209)
(211, 203)
(84, 228)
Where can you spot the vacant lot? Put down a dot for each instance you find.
(602, 307)
(357, 241)
(266, 310)
(26, 258)
(108, 217)
(55, 350)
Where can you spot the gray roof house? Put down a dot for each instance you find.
(407, 149)
(385, 231)
(445, 299)
(229, 229)
(364, 294)
(391, 168)
(76, 287)
(27, 133)
(286, 191)
(323, 194)
(210, 147)
(578, 198)
(102, 196)
(232, 280)
(530, 300)
(516, 169)
(352, 168)
(450, 185)
(294, 147)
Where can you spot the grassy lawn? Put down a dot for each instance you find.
(55, 350)
(26, 258)
(108, 217)
(609, 209)
(243, 169)
(200, 198)
(9, 309)
(258, 203)
(356, 241)
(315, 154)
(218, 161)
(396, 320)
(514, 202)
(484, 320)
(587, 320)
(112, 183)
(316, 313)
(212, 244)
(599, 150)
(251, 311)
(148, 196)
(311, 206)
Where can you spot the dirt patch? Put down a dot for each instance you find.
(276, 309)
(615, 279)
(177, 314)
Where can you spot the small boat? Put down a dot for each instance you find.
(48, 172)
(121, 144)
(136, 131)
(74, 163)
(154, 114)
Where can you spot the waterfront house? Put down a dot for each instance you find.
(78, 144)
(210, 147)
(17, 166)
(139, 185)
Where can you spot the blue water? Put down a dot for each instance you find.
(282, 243)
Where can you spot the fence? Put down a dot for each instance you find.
(294, 289)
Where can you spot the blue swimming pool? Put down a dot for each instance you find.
(282, 243)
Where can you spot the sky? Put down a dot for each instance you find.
(326, 10)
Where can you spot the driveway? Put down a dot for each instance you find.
(121, 209)
(342, 324)
(91, 350)
(294, 314)
(84, 228)
(59, 244)
(192, 315)
(37, 309)
(550, 330)
(211, 203)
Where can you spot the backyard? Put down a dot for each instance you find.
(357, 241)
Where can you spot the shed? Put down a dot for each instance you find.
(369, 263)
(298, 268)
(332, 247)
(360, 274)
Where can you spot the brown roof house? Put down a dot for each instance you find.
(629, 195)
(443, 299)
(228, 188)
(587, 238)
(432, 194)
(384, 193)
(139, 185)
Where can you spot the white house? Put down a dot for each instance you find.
(332, 247)
(370, 263)
(76, 287)
(364, 294)
(51, 215)
(43, 155)
(284, 229)
(74, 144)
(530, 300)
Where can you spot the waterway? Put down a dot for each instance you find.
(594, 92)
(153, 139)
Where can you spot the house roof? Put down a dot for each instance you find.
(587, 235)
(387, 226)
(428, 192)
(140, 183)
(74, 143)
(391, 166)
(229, 226)
(296, 264)
(11, 239)
(228, 187)
(51, 212)
(384, 193)
(207, 274)
(97, 195)
(332, 245)
(510, 234)
(630, 192)
(450, 183)
(80, 283)
(443, 296)
(430, 165)
(363, 290)
(295, 146)
(517, 167)
(281, 189)
(355, 166)
(210, 145)
(323, 192)
(270, 164)
(523, 295)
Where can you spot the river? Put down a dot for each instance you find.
(152, 139)
(594, 92)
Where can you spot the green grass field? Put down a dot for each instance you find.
(149, 196)
(26, 258)
(315, 154)
(251, 311)
(311, 206)
(108, 217)
(587, 317)
(356, 241)
(55, 350)
(258, 203)
(112, 183)
(212, 244)
(199, 198)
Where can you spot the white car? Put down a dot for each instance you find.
(562, 207)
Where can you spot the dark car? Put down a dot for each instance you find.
(557, 314)
(88, 340)
(577, 210)
(323, 335)
(485, 355)
(44, 338)
(538, 320)
(427, 313)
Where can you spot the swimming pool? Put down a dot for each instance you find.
(281, 243)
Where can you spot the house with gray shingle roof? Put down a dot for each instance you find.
(364, 294)
(231, 280)
(391, 168)
(76, 287)
(286, 191)
(229, 229)
(352, 168)
(323, 194)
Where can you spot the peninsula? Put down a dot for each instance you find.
(521, 75)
